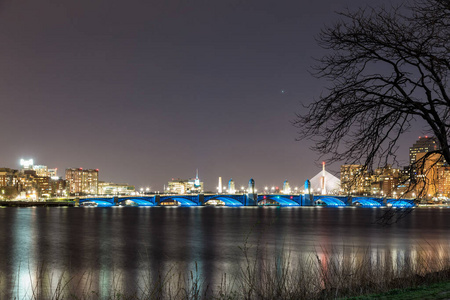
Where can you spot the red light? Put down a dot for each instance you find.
(264, 197)
(277, 188)
(292, 197)
(96, 170)
(426, 136)
(80, 169)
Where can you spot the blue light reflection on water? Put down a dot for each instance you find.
(96, 246)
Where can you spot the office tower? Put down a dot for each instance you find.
(82, 182)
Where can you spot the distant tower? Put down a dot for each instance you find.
(220, 185)
(286, 187)
(323, 180)
(196, 181)
(231, 187)
(251, 186)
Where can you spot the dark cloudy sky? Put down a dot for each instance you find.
(150, 90)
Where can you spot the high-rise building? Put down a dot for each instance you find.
(422, 145)
(352, 179)
(428, 175)
(82, 182)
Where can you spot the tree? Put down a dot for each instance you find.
(388, 68)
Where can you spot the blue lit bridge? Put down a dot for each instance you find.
(238, 200)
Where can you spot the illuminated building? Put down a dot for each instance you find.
(352, 179)
(183, 186)
(286, 187)
(385, 181)
(231, 187)
(60, 188)
(43, 186)
(40, 170)
(8, 177)
(53, 172)
(427, 175)
(26, 164)
(109, 188)
(423, 145)
(444, 182)
(82, 182)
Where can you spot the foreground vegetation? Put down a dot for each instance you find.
(431, 291)
(326, 274)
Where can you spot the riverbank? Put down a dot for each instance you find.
(438, 291)
(36, 203)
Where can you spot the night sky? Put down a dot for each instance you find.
(150, 90)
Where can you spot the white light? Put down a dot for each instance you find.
(26, 163)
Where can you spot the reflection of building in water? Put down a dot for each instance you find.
(185, 186)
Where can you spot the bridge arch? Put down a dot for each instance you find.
(366, 202)
(101, 202)
(140, 201)
(401, 203)
(228, 201)
(330, 201)
(183, 201)
(281, 200)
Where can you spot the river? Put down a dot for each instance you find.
(95, 249)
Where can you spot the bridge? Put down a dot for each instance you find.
(238, 200)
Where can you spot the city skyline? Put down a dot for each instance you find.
(423, 144)
(148, 91)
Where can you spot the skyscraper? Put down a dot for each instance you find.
(423, 145)
(82, 182)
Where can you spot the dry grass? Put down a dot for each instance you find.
(325, 274)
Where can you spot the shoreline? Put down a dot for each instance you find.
(70, 203)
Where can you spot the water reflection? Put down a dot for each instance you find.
(99, 250)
